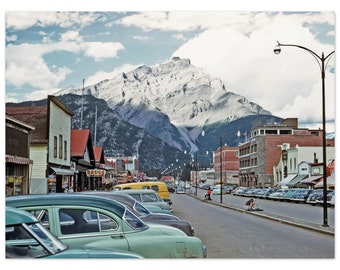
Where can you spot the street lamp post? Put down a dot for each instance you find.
(220, 138)
(321, 62)
(196, 173)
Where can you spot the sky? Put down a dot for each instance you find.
(46, 51)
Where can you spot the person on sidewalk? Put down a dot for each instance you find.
(207, 196)
(251, 204)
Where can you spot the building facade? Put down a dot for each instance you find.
(226, 165)
(49, 144)
(259, 156)
(18, 160)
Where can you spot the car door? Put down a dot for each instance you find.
(83, 226)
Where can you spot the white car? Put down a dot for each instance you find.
(180, 190)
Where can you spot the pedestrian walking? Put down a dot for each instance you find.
(207, 195)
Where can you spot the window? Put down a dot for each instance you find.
(65, 150)
(155, 188)
(76, 221)
(42, 215)
(55, 145)
(149, 197)
(60, 146)
(21, 244)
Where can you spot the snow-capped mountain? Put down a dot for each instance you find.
(172, 101)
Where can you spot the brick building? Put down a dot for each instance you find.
(262, 152)
(229, 164)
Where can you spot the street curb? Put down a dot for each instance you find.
(312, 227)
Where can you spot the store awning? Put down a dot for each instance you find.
(330, 182)
(18, 160)
(296, 180)
(286, 180)
(312, 179)
(60, 171)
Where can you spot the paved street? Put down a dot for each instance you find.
(301, 215)
(234, 233)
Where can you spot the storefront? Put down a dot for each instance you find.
(17, 171)
(60, 180)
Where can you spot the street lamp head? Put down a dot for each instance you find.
(277, 49)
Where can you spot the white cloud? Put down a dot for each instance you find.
(71, 36)
(289, 84)
(100, 50)
(25, 63)
(142, 38)
(24, 19)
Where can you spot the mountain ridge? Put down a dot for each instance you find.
(175, 96)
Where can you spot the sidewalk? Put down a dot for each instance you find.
(275, 217)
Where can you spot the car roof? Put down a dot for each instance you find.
(16, 216)
(136, 191)
(66, 199)
(120, 197)
(144, 182)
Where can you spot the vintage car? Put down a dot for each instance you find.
(159, 187)
(93, 221)
(143, 213)
(147, 197)
(27, 238)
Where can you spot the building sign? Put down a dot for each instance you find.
(95, 173)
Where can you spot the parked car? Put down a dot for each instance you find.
(27, 238)
(148, 197)
(250, 192)
(260, 192)
(228, 188)
(289, 193)
(240, 191)
(143, 213)
(268, 192)
(315, 194)
(278, 194)
(217, 190)
(301, 195)
(93, 221)
(205, 186)
(330, 199)
(160, 187)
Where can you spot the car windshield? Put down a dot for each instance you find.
(31, 241)
(134, 221)
(141, 209)
(150, 197)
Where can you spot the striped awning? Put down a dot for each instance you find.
(296, 180)
(18, 160)
(286, 180)
(312, 179)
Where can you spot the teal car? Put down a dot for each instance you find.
(98, 222)
(149, 198)
(27, 238)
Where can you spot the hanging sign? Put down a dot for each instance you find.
(95, 173)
